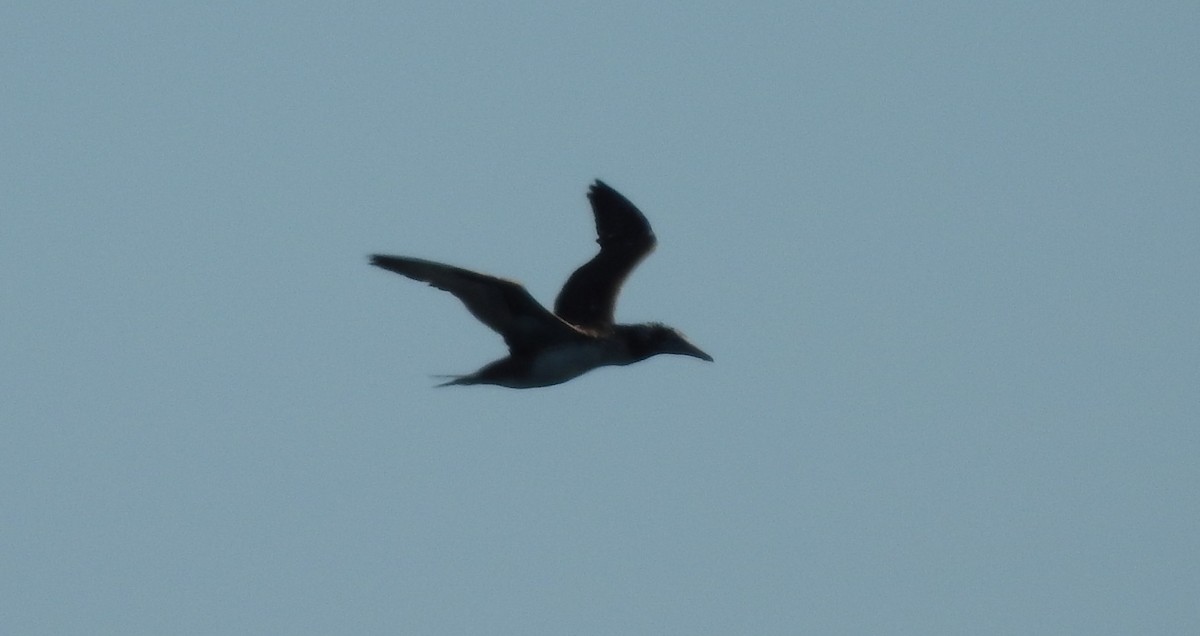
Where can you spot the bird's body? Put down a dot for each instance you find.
(546, 367)
(550, 348)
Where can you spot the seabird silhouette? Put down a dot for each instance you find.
(550, 348)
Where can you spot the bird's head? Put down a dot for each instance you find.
(655, 338)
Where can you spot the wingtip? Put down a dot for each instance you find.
(599, 186)
(386, 262)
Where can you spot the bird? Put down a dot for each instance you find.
(548, 348)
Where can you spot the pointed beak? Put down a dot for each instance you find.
(685, 348)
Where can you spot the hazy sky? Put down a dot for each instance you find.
(945, 256)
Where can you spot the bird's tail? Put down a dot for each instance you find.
(454, 380)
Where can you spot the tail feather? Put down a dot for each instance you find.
(455, 380)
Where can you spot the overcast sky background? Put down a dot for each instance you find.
(945, 255)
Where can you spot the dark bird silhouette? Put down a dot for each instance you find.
(550, 348)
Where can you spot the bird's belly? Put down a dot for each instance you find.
(564, 363)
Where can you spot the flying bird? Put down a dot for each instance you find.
(580, 335)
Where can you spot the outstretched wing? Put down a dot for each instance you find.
(503, 305)
(589, 297)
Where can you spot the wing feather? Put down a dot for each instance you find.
(503, 305)
(589, 297)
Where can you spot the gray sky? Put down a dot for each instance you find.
(945, 256)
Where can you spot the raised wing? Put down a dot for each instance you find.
(589, 297)
(501, 304)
